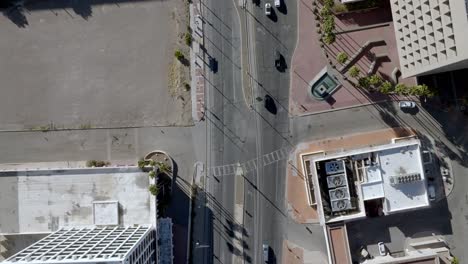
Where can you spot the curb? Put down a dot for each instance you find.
(197, 64)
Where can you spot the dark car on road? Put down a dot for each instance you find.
(270, 104)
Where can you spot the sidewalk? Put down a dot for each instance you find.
(197, 64)
(309, 59)
(61, 165)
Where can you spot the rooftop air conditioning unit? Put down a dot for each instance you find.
(337, 180)
(341, 205)
(334, 167)
(339, 194)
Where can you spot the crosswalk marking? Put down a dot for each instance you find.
(250, 165)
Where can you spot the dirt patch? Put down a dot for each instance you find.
(179, 69)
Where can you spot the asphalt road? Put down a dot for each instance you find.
(274, 33)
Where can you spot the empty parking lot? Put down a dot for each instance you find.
(90, 63)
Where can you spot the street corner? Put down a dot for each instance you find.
(294, 254)
(298, 205)
(332, 76)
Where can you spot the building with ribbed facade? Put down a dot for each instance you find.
(431, 35)
(117, 244)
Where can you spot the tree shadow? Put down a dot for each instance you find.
(16, 14)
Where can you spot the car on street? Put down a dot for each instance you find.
(270, 104)
(431, 192)
(266, 253)
(277, 60)
(407, 104)
(278, 3)
(267, 9)
(382, 249)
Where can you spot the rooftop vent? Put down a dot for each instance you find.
(408, 178)
(339, 194)
(334, 167)
(337, 180)
(341, 205)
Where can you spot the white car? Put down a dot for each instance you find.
(407, 104)
(382, 249)
(431, 192)
(267, 9)
(278, 3)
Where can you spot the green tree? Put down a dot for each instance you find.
(188, 39)
(354, 71)
(455, 260)
(141, 163)
(329, 38)
(325, 12)
(328, 24)
(152, 174)
(424, 90)
(163, 167)
(375, 80)
(401, 89)
(179, 55)
(364, 82)
(342, 57)
(386, 87)
(329, 3)
(153, 189)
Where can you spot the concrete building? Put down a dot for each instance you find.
(365, 184)
(431, 35)
(371, 181)
(117, 244)
(87, 215)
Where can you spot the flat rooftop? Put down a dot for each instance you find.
(45, 201)
(390, 174)
(404, 160)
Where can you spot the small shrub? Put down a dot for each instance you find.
(187, 87)
(354, 72)
(364, 83)
(342, 57)
(163, 167)
(422, 90)
(339, 8)
(141, 163)
(401, 89)
(153, 189)
(375, 80)
(386, 87)
(328, 24)
(97, 163)
(329, 3)
(152, 163)
(179, 55)
(188, 39)
(325, 12)
(455, 261)
(152, 174)
(329, 38)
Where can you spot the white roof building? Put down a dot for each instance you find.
(117, 244)
(431, 35)
(391, 175)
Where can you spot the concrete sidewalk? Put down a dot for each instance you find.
(197, 63)
(310, 58)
